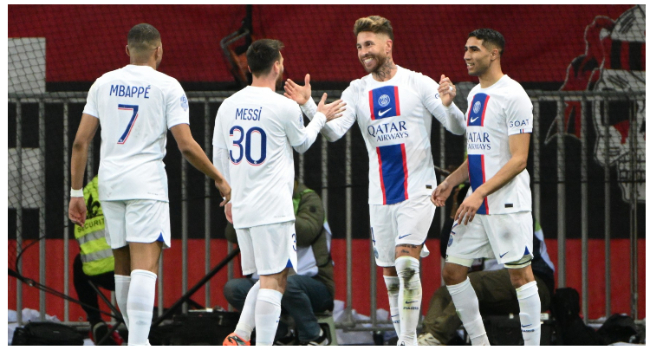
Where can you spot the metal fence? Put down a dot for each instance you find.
(27, 184)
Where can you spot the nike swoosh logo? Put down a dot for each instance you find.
(471, 120)
(411, 302)
(528, 325)
(502, 255)
(381, 113)
(400, 237)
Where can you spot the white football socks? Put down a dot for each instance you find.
(392, 286)
(246, 322)
(529, 313)
(267, 316)
(121, 295)
(466, 302)
(139, 305)
(410, 298)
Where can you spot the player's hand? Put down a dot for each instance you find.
(300, 94)
(77, 211)
(468, 208)
(331, 110)
(224, 190)
(447, 91)
(228, 211)
(440, 194)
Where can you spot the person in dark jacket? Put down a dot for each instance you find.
(312, 289)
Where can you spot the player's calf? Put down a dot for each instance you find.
(464, 298)
(410, 298)
(392, 287)
(530, 304)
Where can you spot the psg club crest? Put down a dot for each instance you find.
(384, 100)
(477, 107)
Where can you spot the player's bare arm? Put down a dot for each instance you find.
(85, 134)
(331, 110)
(442, 192)
(194, 154)
(300, 94)
(519, 145)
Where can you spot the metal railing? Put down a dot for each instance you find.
(596, 102)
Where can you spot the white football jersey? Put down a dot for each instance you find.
(258, 128)
(493, 114)
(135, 106)
(395, 120)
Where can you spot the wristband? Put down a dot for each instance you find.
(76, 193)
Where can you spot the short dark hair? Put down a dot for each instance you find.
(375, 24)
(262, 54)
(143, 37)
(489, 37)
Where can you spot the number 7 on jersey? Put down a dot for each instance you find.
(129, 127)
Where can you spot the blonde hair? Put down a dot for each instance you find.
(375, 24)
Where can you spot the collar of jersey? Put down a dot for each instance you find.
(136, 66)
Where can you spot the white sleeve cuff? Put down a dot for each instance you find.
(310, 108)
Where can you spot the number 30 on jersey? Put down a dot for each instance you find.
(250, 144)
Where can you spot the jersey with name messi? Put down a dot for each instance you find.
(258, 127)
(135, 106)
(395, 119)
(493, 114)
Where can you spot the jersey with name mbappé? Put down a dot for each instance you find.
(258, 127)
(395, 120)
(135, 106)
(493, 115)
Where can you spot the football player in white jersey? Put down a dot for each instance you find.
(494, 220)
(254, 133)
(135, 107)
(393, 107)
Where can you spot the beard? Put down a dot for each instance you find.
(381, 60)
(278, 81)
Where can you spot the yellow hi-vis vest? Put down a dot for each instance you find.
(96, 254)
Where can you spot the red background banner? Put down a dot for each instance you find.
(84, 42)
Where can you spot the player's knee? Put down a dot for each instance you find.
(454, 274)
(517, 280)
(390, 271)
(518, 277)
(408, 270)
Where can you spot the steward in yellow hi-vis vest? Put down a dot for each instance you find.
(96, 254)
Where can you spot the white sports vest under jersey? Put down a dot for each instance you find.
(493, 114)
(135, 106)
(395, 120)
(258, 127)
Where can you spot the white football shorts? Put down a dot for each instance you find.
(405, 222)
(268, 249)
(138, 221)
(505, 237)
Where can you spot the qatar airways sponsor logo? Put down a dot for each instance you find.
(388, 131)
(478, 140)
